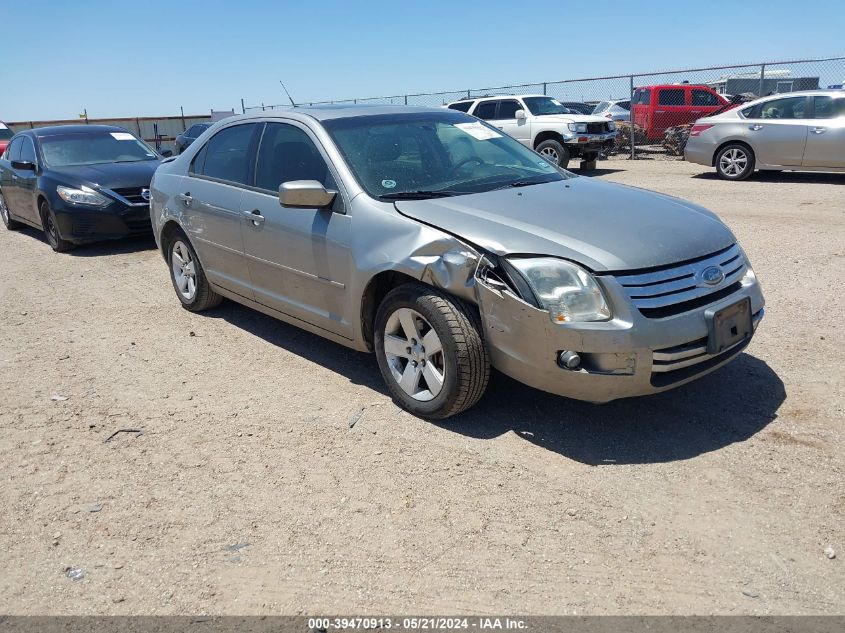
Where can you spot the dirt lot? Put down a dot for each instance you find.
(249, 493)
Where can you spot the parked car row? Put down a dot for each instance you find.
(545, 125)
(427, 236)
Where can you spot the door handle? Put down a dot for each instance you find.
(819, 130)
(255, 217)
(185, 198)
(755, 127)
(660, 111)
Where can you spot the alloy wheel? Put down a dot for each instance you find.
(184, 270)
(4, 211)
(414, 354)
(733, 162)
(551, 153)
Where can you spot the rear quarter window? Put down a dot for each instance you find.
(671, 97)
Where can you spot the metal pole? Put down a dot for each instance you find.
(544, 88)
(243, 107)
(631, 119)
(406, 99)
(182, 110)
(762, 79)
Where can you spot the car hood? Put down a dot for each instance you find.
(109, 175)
(603, 226)
(570, 118)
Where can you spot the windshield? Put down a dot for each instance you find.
(94, 148)
(545, 105)
(5, 132)
(434, 153)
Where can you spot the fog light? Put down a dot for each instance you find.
(569, 360)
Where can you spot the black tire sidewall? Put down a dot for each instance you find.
(560, 148)
(48, 218)
(749, 166)
(200, 273)
(414, 297)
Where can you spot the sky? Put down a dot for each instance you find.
(147, 58)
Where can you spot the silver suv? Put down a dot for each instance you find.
(445, 247)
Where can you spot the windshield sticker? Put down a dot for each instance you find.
(388, 184)
(556, 102)
(478, 131)
(542, 163)
(122, 136)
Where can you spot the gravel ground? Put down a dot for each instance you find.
(248, 492)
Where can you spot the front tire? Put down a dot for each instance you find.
(8, 222)
(735, 162)
(430, 351)
(555, 152)
(51, 229)
(188, 277)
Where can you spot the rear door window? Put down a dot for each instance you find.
(704, 98)
(226, 155)
(825, 107)
(486, 110)
(13, 152)
(28, 151)
(787, 108)
(671, 97)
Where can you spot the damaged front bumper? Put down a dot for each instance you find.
(630, 355)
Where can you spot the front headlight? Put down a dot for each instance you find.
(566, 290)
(611, 126)
(83, 195)
(578, 127)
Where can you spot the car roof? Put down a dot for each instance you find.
(54, 130)
(832, 92)
(336, 111)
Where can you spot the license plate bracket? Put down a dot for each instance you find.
(729, 326)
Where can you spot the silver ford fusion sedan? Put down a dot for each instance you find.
(445, 247)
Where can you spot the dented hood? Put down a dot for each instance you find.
(604, 226)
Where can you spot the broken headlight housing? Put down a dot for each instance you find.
(567, 291)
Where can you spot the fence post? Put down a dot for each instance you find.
(243, 107)
(544, 88)
(631, 119)
(468, 94)
(182, 111)
(406, 99)
(762, 80)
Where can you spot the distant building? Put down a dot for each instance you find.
(774, 82)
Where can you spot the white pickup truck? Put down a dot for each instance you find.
(545, 125)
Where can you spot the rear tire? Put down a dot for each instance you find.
(188, 277)
(735, 161)
(555, 152)
(8, 222)
(430, 351)
(51, 229)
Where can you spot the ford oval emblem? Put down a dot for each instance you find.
(145, 194)
(712, 275)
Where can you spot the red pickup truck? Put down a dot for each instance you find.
(656, 108)
(5, 134)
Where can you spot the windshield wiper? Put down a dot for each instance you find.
(421, 194)
(522, 183)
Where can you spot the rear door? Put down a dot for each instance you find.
(702, 103)
(826, 133)
(485, 110)
(299, 259)
(27, 180)
(777, 130)
(507, 122)
(210, 199)
(671, 109)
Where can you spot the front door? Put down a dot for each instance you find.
(507, 122)
(299, 259)
(826, 133)
(777, 131)
(26, 182)
(210, 201)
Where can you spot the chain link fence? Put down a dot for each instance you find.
(665, 103)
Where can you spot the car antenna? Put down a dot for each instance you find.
(287, 93)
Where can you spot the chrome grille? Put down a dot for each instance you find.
(133, 195)
(674, 290)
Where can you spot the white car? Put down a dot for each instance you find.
(545, 125)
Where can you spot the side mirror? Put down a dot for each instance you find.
(167, 153)
(23, 164)
(305, 194)
(519, 114)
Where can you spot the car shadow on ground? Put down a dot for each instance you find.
(728, 406)
(599, 171)
(796, 177)
(96, 249)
